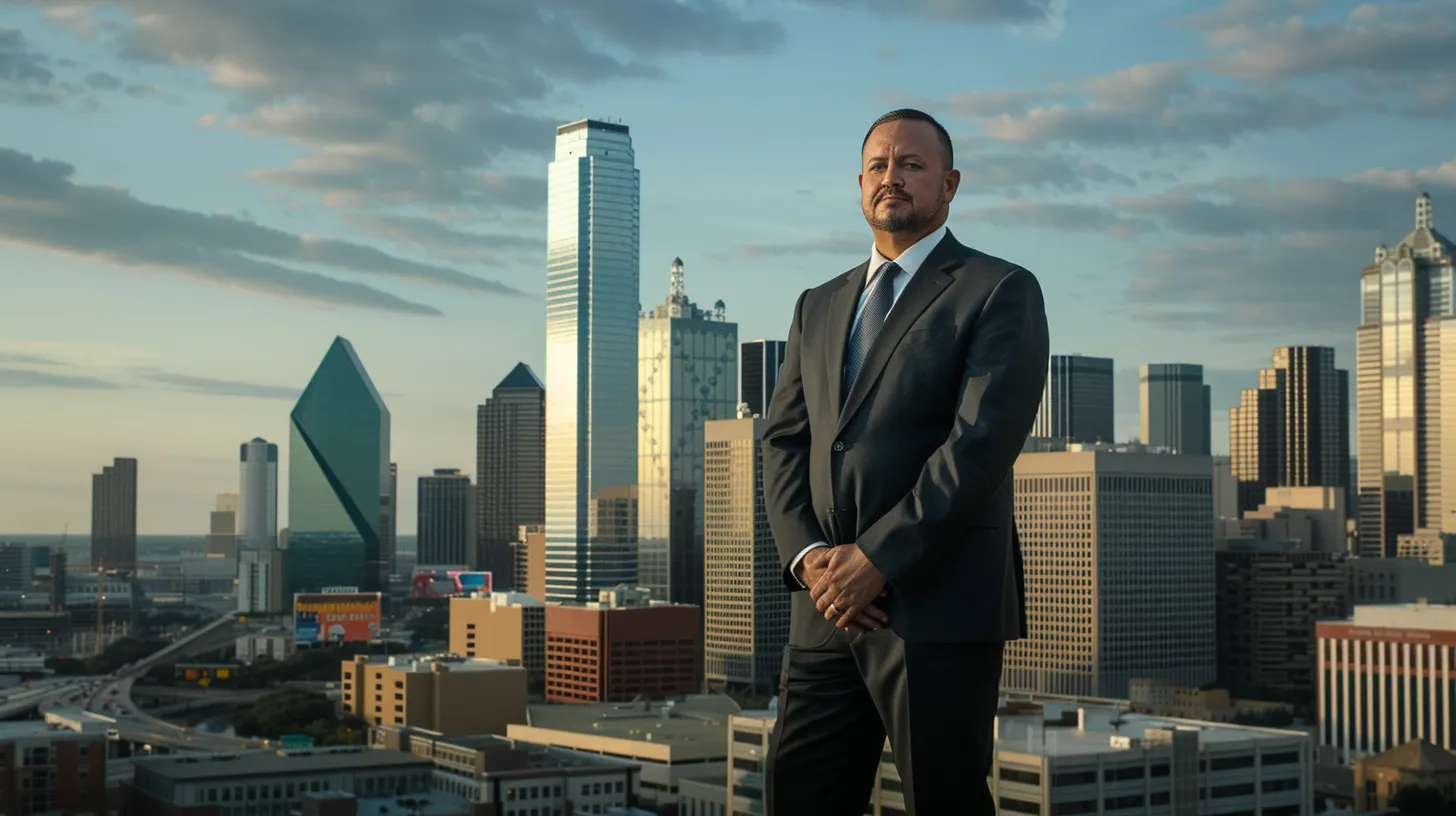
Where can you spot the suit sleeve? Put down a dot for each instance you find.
(1002, 379)
(787, 441)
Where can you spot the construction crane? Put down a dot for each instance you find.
(100, 602)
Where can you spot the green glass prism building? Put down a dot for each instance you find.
(338, 472)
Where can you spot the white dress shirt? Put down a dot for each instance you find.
(909, 262)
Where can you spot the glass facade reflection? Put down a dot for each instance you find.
(592, 290)
(1406, 349)
(338, 470)
(685, 379)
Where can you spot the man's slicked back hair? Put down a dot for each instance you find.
(915, 116)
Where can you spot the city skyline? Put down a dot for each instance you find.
(1198, 207)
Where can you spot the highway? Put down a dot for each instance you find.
(88, 702)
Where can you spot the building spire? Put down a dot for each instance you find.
(677, 287)
(1423, 211)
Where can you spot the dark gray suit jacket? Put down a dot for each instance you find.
(914, 464)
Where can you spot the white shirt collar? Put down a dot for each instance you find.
(909, 260)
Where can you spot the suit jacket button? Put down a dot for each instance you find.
(838, 446)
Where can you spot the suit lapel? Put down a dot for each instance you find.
(924, 287)
(842, 307)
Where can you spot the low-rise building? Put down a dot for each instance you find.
(499, 775)
(1386, 676)
(508, 627)
(48, 769)
(1163, 699)
(259, 782)
(1067, 756)
(1416, 764)
(671, 741)
(445, 693)
(621, 648)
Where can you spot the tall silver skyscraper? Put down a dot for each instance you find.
(593, 286)
(1174, 405)
(689, 358)
(1406, 362)
(1077, 405)
(257, 495)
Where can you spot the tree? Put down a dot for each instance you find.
(298, 711)
(1422, 801)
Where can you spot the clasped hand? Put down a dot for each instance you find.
(844, 585)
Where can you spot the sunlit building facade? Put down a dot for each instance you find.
(338, 471)
(592, 289)
(1406, 360)
(689, 359)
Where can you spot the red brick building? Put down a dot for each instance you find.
(612, 653)
(48, 770)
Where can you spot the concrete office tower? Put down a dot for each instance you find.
(510, 470)
(686, 378)
(1174, 405)
(745, 604)
(338, 468)
(1406, 364)
(261, 582)
(1077, 405)
(389, 527)
(114, 516)
(258, 495)
(759, 364)
(446, 528)
(222, 530)
(1293, 430)
(1119, 559)
(592, 299)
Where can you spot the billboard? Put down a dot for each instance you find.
(442, 582)
(335, 617)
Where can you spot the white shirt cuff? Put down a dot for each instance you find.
(794, 565)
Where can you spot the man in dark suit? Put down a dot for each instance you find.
(908, 387)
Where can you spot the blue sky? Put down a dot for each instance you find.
(196, 196)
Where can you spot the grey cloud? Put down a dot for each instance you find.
(842, 244)
(42, 206)
(218, 387)
(1283, 254)
(1062, 217)
(1034, 169)
(27, 378)
(142, 91)
(1237, 13)
(1152, 105)
(958, 11)
(21, 358)
(392, 105)
(25, 75)
(1412, 39)
(102, 81)
(440, 239)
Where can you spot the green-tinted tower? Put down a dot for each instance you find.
(338, 472)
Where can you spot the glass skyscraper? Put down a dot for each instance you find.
(338, 472)
(1077, 404)
(1174, 407)
(592, 304)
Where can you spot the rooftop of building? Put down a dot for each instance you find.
(1071, 726)
(183, 767)
(30, 729)
(1062, 729)
(1418, 615)
(434, 803)
(499, 599)
(505, 755)
(521, 377)
(691, 719)
(1416, 755)
(446, 662)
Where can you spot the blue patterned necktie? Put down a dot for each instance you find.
(871, 320)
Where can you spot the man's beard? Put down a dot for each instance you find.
(899, 221)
